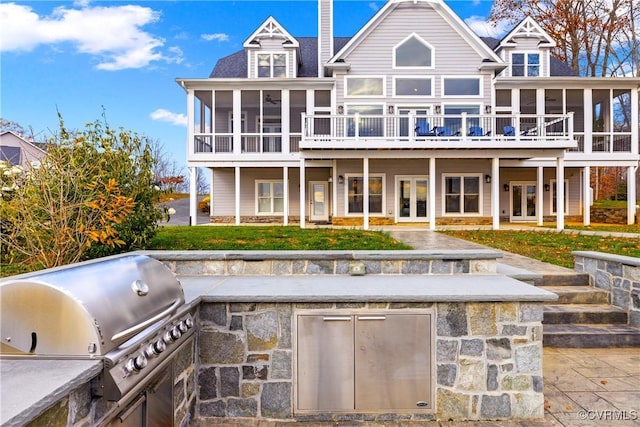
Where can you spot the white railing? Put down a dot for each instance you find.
(549, 127)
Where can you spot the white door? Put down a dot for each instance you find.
(319, 209)
(523, 201)
(412, 199)
(417, 124)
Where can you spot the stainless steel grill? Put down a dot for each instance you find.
(128, 311)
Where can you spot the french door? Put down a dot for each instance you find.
(319, 209)
(412, 198)
(523, 201)
(407, 127)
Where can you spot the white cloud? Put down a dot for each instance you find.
(114, 34)
(374, 6)
(162, 115)
(221, 37)
(481, 26)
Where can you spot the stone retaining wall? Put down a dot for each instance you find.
(488, 362)
(617, 274)
(609, 215)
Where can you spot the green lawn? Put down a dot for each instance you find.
(549, 246)
(271, 238)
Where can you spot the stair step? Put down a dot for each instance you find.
(578, 294)
(583, 313)
(590, 336)
(570, 279)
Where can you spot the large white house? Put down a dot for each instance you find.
(413, 119)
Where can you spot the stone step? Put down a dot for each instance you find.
(578, 294)
(561, 314)
(590, 336)
(569, 279)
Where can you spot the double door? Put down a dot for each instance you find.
(412, 199)
(363, 362)
(523, 201)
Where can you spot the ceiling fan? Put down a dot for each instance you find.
(270, 100)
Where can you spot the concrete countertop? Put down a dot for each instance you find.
(29, 387)
(375, 288)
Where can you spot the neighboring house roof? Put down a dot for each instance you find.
(18, 151)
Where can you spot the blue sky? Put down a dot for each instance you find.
(124, 56)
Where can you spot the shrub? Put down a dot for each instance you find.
(203, 205)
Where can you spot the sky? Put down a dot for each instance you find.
(120, 58)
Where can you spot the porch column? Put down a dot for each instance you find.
(211, 194)
(540, 196)
(193, 195)
(365, 192)
(285, 188)
(586, 196)
(631, 194)
(302, 193)
(285, 121)
(237, 123)
(432, 193)
(334, 189)
(495, 192)
(560, 193)
(237, 194)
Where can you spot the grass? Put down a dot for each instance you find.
(271, 238)
(634, 228)
(610, 204)
(551, 247)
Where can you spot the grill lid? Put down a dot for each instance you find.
(86, 309)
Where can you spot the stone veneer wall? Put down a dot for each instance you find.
(80, 408)
(617, 274)
(488, 362)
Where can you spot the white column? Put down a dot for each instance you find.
(211, 194)
(365, 192)
(190, 122)
(588, 120)
(285, 120)
(285, 187)
(432, 193)
(237, 194)
(631, 194)
(302, 193)
(237, 121)
(586, 196)
(560, 193)
(193, 195)
(540, 196)
(334, 189)
(495, 192)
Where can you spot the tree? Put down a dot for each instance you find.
(93, 195)
(596, 38)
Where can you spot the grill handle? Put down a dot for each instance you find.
(127, 333)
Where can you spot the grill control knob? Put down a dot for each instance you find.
(175, 333)
(183, 326)
(137, 363)
(188, 322)
(156, 348)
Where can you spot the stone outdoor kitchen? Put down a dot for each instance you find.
(332, 336)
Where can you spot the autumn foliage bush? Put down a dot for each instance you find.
(92, 195)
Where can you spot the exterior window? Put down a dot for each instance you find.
(461, 86)
(454, 124)
(554, 197)
(364, 86)
(413, 52)
(270, 197)
(462, 194)
(412, 86)
(272, 65)
(525, 64)
(367, 125)
(355, 195)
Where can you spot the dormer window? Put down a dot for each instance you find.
(413, 52)
(272, 64)
(525, 64)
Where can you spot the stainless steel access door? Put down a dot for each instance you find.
(325, 363)
(393, 362)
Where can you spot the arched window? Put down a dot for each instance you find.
(413, 52)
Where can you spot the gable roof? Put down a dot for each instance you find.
(270, 29)
(445, 12)
(531, 29)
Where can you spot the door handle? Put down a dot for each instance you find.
(337, 318)
(372, 317)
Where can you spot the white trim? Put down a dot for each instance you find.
(271, 67)
(414, 67)
(416, 77)
(354, 77)
(455, 77)
(552, 192)
(346, 194)
(256, 200)
(528, 28)
(267, 30)
(243, 119)
(443, 197)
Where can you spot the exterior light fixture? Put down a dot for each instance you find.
(390, 109)
(340, 109)
(487, 109)
(547, 187)
(487, 179)
(340, 179)
(506, 187)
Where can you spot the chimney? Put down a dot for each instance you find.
(325, 34)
